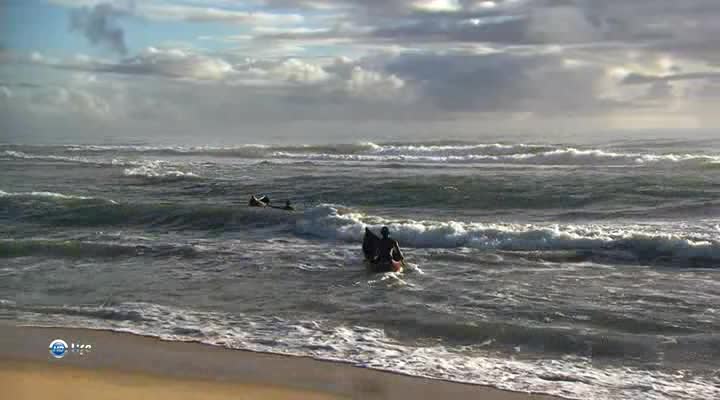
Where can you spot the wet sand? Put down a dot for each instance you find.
(126, 366)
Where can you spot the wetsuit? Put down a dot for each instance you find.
(386, 248)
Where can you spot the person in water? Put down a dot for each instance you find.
(288, 206)
(263, 201)
(388, 249)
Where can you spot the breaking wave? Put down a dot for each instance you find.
(45, 157)
(68, 159)
(245, 150)
(621, 243)
(687, 246)
(575, 376)
(158, 171)
(458, 153)
(49, 195)
(562, 156)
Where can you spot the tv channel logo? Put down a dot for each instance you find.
(59, 348)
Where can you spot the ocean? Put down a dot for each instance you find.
(588, 272)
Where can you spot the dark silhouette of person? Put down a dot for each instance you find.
(263, 201)
(288, 206)
(388, 249)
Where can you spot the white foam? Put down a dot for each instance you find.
(537, 154)
(148, 148)
(336, 222)
(570, 377)
(457, 150)
(51, 195)
(41, 194)
(158, 170)
(565, 156)
(46, 157)
(70, 159)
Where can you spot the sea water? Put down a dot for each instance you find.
(589, 272)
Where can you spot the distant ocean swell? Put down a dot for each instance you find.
(688, 246)
(151, 169)
(89, 249)
(371, 152)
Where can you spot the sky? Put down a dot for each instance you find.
(309, 71)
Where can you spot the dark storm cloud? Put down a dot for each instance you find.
(513, 30)
(507, 30)
(516, 25)
(502, 82)
(385, 5)
(687, 27)
(99, 25)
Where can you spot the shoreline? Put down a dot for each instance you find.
(209, 371)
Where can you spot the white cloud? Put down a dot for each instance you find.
(172, 63)
(297, 71)
(36, 57)
(164, 11)
(437, 5)
(372, 84)
(64, 100)
(5, 92)
(422, 59)
(340, 76)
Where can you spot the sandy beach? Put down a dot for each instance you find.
(123, 366)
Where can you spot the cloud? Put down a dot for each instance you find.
(98, 25)
(164, 11)
(169, 11)
(458, 23)
(171, 63)
(373, 85)
(363, 82)
(504, 82)
(65, 100)
(636, 79)
(5, 92)
(682, 27)
(548, 83)
(291, 70)
(286, 61)
(506, 31)
(291, 78)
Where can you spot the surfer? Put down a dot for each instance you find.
(388, 249)
(382, 254)
(288, 206)
(263, 201)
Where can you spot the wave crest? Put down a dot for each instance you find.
(521, 153)
(50, 196)
(635, 244)
(158, 171)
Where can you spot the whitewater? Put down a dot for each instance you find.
(587, 272)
